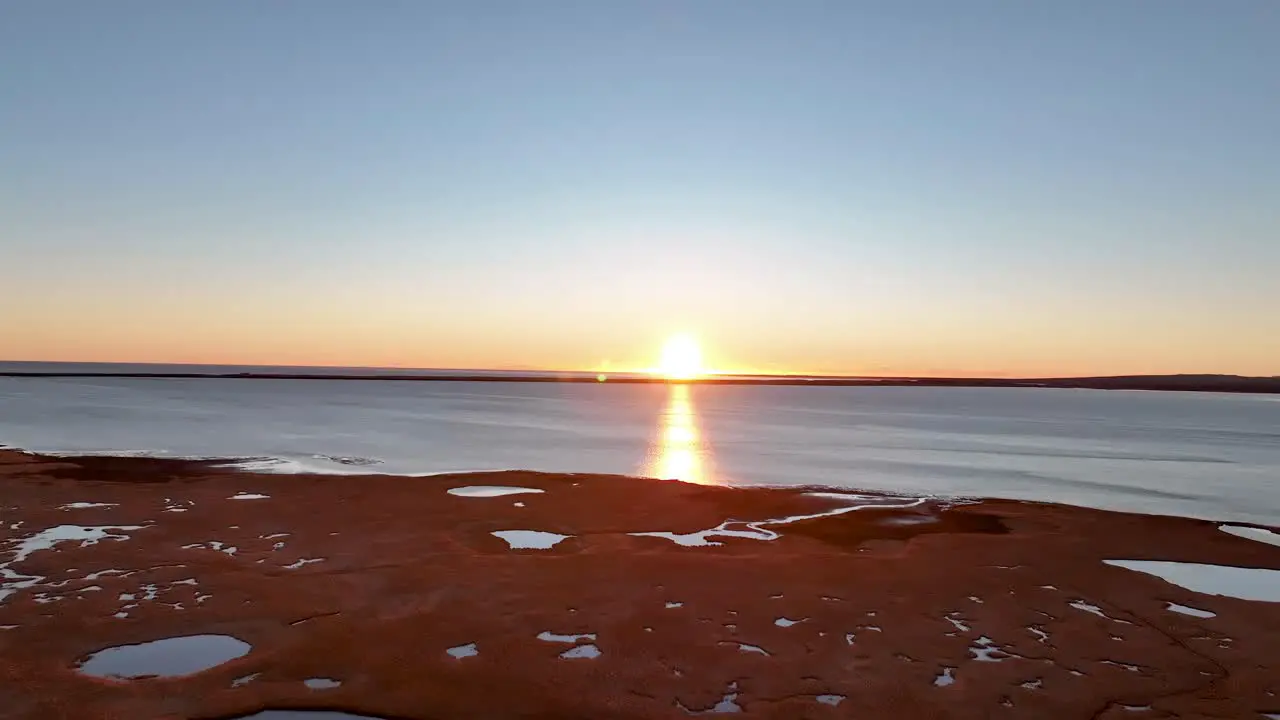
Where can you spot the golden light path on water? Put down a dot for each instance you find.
(679, 451)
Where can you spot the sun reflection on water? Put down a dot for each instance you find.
(679, 451)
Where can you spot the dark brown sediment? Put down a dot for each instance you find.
(409, 571)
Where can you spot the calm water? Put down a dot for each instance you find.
(1206, 455)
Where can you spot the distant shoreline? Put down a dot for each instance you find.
(1184, 383)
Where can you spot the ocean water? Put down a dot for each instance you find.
(1215, 456)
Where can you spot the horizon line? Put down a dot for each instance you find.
(618, 373)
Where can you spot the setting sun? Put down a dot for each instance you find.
(681, 358)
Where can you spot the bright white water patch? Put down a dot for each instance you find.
(581, 652)
(109, 571)
(757, 530)
(1095, 610)
(303, 561)
(1252, 533)
(244, 680)
(1227, 580)
(745, 648)
(463, 651)
(484, 491)
(530, 539)
(1040, 634)
(321, 683)
(46, 539)
(86, 505)
(788, 622)
(956, 622)
(170, 657)
(945, 678)
(985, 649)
(304, 715)
(672, 605)
(1193, 612)
(831, 700)
(548, 636)
(727, 704)
(212, 545)
(249, 496)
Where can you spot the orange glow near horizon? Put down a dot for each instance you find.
(679, 451)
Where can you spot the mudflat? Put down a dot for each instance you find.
(534, 595)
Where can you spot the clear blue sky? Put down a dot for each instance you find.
(881, 187)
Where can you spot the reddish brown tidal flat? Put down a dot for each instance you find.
(396, 600)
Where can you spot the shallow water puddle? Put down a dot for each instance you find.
(1193, 612)
(788, 622)
(86, 505)
(485, 491)
(304, 715)
(548, 636)
(945, 678)
(985, 649)
(212, 545)
(581, 652)
(728, 703)
(463, 651)
(322, 683)
(302, 562)
(1227, 580)
(745, 648)
(757, 530)
(1252, 533)
(249, 496)
(831, 700)
(47, 539)
(86, 535)
(530, 539)
(168, 657)
(1095, 610)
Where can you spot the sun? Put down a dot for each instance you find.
(681, 358)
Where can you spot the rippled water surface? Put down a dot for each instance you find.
(1197, 454)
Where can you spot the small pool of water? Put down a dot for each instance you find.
(305, 715)
(530, 539)
(169, 657)
(1237, 582)
(490, 490)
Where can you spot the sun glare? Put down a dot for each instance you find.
(681, 358)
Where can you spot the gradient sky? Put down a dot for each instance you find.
(969, 188)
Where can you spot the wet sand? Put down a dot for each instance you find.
(396, 600)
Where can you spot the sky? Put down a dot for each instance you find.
(884, 188)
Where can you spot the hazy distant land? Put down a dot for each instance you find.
(1182, 382)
